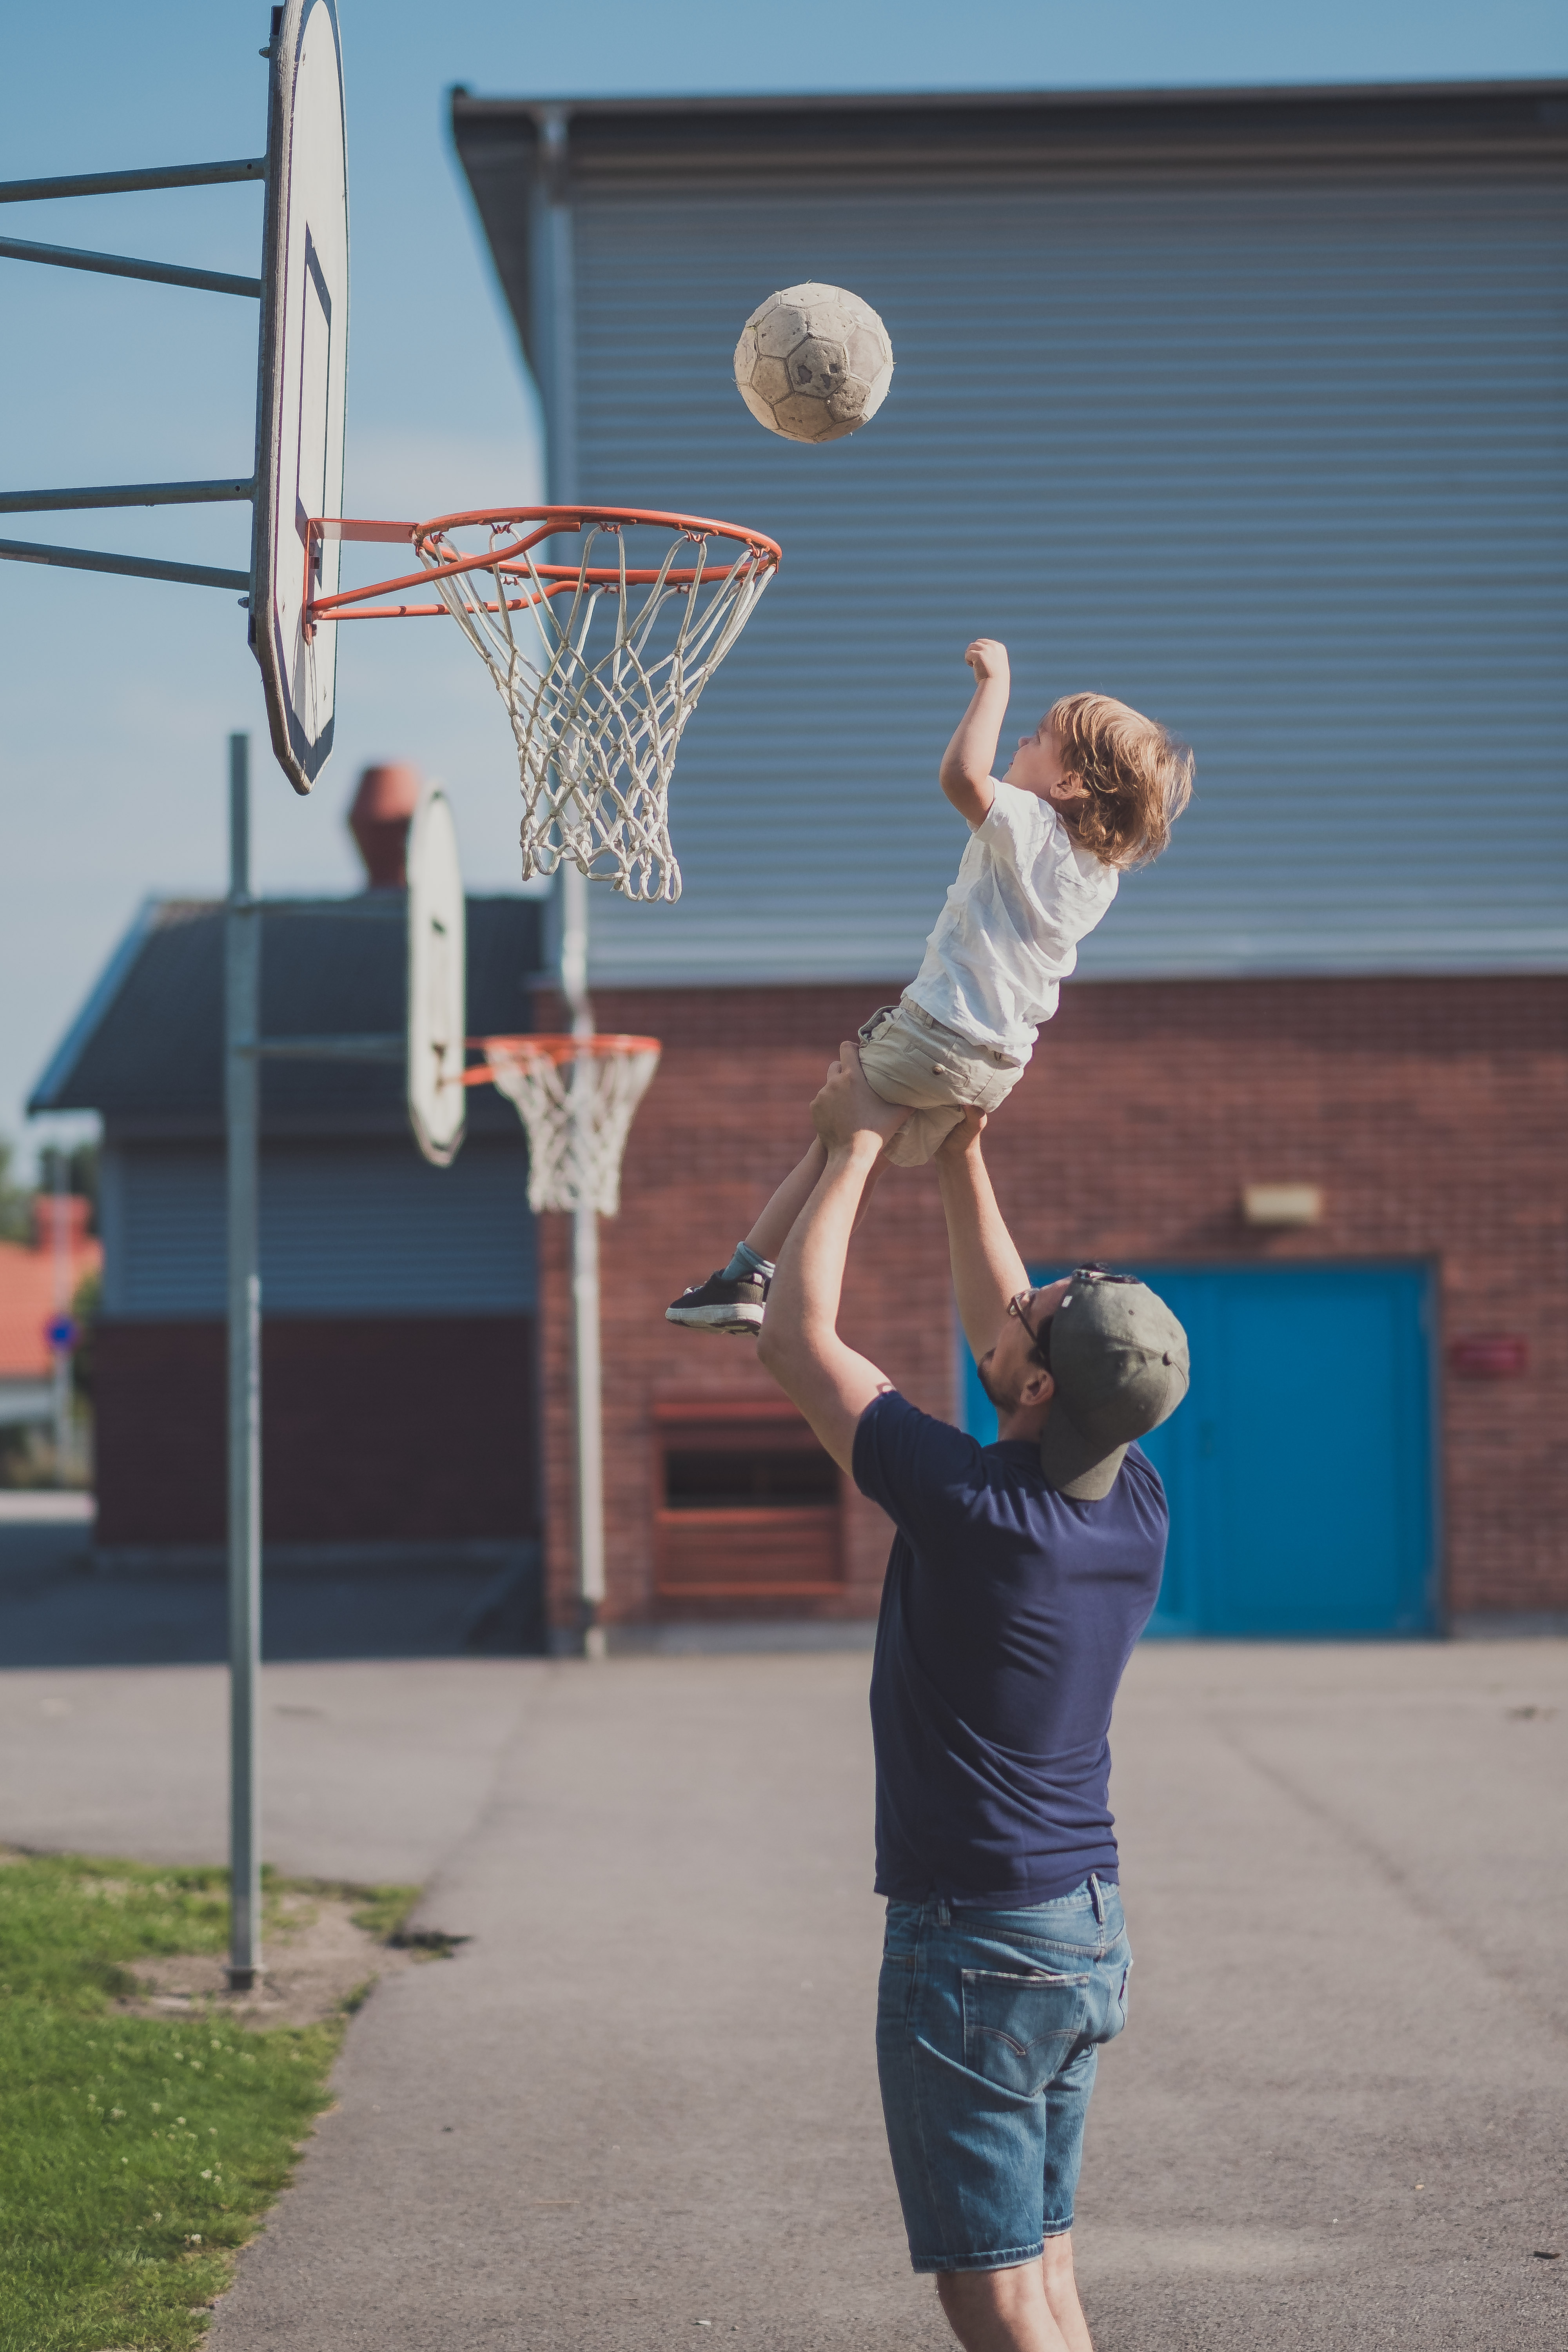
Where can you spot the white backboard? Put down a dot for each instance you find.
(302, 388)
(437, 981)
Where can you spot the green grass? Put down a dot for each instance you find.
(135, 2154)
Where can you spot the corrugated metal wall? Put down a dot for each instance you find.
(1276, 456)
(345, 1230)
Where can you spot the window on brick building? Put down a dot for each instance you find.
(705, 1479)
(748, 1506)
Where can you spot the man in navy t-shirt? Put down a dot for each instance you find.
(1021, 1575)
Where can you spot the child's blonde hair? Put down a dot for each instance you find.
(1138, 777)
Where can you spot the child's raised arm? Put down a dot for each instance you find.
(967, 763)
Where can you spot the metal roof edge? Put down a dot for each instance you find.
(100, 996)
(477, 109)
(500, 142)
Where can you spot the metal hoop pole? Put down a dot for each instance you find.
(586, 1357)
(242, 997)
(553, 231)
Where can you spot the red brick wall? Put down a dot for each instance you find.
(400, 1428)
(1430, 1111)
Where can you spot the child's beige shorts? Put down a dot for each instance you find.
(911, 1059)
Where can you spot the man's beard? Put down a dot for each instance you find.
(1003, 1403)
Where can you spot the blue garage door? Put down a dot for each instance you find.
(1300, 1468)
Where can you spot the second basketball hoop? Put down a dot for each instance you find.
(577, 1097)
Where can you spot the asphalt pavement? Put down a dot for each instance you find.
(643, 2096)
(62, 1604)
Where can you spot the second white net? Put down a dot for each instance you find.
(577, 1112)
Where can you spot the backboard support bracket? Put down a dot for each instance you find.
(134, 567)
(390, 1047)
(129, 494)
(302, 293)
(146, 494)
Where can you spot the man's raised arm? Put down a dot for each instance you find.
(799, 1342)
(986, 1268)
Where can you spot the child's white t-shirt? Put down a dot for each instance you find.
(1025, 895)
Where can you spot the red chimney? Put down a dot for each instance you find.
(379, 818)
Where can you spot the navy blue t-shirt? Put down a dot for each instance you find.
(1008, 1615)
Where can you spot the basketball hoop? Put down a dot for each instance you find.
(605, 670)
(577, 1097)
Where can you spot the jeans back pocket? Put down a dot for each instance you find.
(1021, 2029)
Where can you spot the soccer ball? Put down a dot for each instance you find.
(814, 363)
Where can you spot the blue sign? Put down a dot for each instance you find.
(62, 1331)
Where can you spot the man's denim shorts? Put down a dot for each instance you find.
(988, 2032)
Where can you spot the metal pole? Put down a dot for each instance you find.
(132, 567)
(110, 184)
(125, 265)
(587, 1369)
(242, 975)
(590, 1426)
(127, 494)
(556, 319)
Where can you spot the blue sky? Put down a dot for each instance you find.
(116, 698)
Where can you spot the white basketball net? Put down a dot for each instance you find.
(577, 1108)
(600, 666)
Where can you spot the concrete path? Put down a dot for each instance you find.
(643, 2096)
(370, 1771)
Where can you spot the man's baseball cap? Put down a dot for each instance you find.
(1119, 1359)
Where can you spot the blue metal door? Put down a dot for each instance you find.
(1300, 1468)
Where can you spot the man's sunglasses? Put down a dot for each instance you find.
(1040, 1334)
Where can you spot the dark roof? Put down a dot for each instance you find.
(506, 144)
(617, 135)
(146, 1051)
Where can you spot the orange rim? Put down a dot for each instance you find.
(550, 522)
(534, 1048)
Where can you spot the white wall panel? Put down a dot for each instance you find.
(1278, 457)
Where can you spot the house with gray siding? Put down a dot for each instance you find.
(398, 1300)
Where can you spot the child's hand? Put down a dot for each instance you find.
(965, 771)
(987, 657)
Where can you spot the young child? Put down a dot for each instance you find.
(1093, 788)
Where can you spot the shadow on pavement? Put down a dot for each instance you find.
(59, 1608)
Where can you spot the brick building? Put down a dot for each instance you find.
(1245, 407)
(1428, 1113)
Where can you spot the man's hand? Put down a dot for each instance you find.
(963, 1138)
(849, 1110)
(987, 657)
(799, 1342)
(988, 1270)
